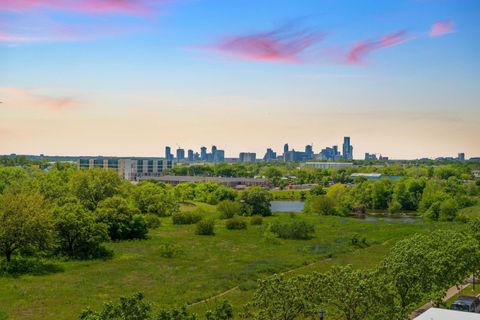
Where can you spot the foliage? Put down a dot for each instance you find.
(155, 199)
(190, 217)
(25, 223)
(129, 308)
(235, 224)
(228, 209)
(297, 230)
(153, 222)
(280, 298)
(77, 233)
(223, 311)
(124, 221)
(317, 190)
(205, 227)
(256, 220)
(170, 250)
(322, 204)
(95, 185)
(256, 201)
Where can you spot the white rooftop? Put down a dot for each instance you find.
(445, 314)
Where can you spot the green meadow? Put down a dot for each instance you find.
(201, 266)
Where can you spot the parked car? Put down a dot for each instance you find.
(467, 304)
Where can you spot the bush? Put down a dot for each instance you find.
(256, 200)
(297, 230)
(205, 227)
(170, 250)
(256, 220)
(186, 217)
(228, 209)
(235, 224)
(153, 222)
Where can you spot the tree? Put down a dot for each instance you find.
(228, 209)
(94, 185)
(129, 308)
(354, 294)
(124, 221)
(25, 223)
(223, 311)
(256, 201)
(448, 210)
(322, 205)
(317, 190)
(280, 298)
(78, 234)
(152, 198)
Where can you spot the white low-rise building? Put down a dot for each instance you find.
(446, 314)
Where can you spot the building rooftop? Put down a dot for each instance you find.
(446, 314)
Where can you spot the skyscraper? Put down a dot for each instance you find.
(180, 154)
(190, 155)
(168, 153)
(270, 155)
(347, 149)
(203, 154)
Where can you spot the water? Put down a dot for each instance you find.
(287, 206)
(297, 206)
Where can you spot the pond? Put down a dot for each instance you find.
(297, 206)
(287, 206)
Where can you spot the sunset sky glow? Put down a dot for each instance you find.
(127, 77)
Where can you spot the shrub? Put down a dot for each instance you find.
(297, 230)
(235, 224)
(205, 227)
(256, 220)
(186, 217)
(153, 222)
(256, 200)
(170, 250)
(228, 209)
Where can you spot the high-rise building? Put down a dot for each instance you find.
(308, 152)
(203, 154)
(247, 157)
(180, 154)
(329, 154)
(190, 155)
(270, 155)
(370, 156)
(219, 156)
(347, 149)
(168, 153)
(461, 156)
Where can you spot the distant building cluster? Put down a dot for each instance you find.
(216, 155)
(129, 169)
(373, 157)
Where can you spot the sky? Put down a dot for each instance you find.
(127, 77)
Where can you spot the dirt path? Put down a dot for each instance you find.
(237, 287)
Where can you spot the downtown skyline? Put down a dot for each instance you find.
(126, 78)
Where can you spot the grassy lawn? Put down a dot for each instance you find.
(207, 265)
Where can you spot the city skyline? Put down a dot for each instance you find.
(126, 78)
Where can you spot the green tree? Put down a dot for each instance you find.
(25, 223)
(323, 205)
(124, 221)
(77, 232)
(152, 198)
(129, 308)
(281, 298)
(228, 209)
(94, 185)
(256, 201)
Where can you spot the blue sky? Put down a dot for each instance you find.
(119, 77)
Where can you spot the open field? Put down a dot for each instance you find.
(206, 266)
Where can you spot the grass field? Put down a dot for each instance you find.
(205, 267)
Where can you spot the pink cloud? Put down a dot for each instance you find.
(358, 53)
(286, 44)
(441, 28)
(19, 97)
(86, 6)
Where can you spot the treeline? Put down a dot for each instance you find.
(418, 269)
(72, 213)
(437, 199)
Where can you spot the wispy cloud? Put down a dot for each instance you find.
(284, 44)
(84, 6)
(24, 98)
(441, 28)
(360, 51)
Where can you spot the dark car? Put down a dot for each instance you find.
(466, 303)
